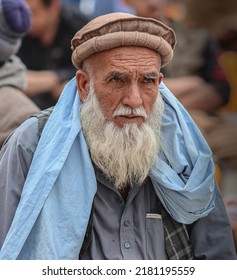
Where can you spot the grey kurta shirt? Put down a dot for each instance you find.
(125, 229)
(211, 237)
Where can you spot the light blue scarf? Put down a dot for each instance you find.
(52, 216)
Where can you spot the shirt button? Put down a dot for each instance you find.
(127, 245)
(126, 223)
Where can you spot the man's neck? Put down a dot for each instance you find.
(125, 192)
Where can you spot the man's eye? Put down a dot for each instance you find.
(118, 78)
(150, 80)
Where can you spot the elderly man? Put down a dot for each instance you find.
(120, 170)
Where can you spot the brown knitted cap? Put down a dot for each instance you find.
(120, 29)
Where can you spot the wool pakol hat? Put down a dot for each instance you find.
(15, 21)
(121, 29)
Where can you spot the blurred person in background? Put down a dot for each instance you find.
(15, 107)
(94, 8)
(74, 3)
(104, 6)
(46, 49)
(216, 16)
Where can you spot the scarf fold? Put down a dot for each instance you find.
(54, 209)
(185, 182)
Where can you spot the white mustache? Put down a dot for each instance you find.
(125, 110)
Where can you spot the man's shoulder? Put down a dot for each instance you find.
(43, 117)
(25, 137)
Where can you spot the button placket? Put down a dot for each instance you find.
(127, 234)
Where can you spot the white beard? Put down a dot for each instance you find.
(125, 155)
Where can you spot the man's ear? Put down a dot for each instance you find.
(83, 84)
(161, 77)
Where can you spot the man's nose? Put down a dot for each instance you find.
(133, 97)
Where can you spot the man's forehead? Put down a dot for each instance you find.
(123, 58)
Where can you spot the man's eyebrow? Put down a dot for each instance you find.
(123, 75)
(116, 74)
(151, 75)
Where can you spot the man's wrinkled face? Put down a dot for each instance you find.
(122, 112)
(126, 77)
